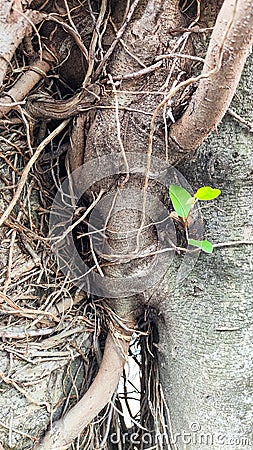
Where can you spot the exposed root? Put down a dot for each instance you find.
(14, 24)
(25, 84)
(65, 430)
(228, 49)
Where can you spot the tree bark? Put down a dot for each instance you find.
(204, 343)
(205, 349)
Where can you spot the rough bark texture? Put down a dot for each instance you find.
(147, 36)
(206, 333)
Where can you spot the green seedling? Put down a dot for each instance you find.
(183, 203)
(207, 193)
(205, 245)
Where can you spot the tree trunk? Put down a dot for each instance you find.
(130, 83)
(205, 348)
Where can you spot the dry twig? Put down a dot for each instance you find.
(27, 169)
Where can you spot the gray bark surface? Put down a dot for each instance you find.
(206, 335)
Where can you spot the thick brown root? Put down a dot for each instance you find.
(65, 430)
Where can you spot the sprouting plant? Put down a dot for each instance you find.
(183, 203)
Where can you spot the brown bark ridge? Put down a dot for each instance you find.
(229, 47)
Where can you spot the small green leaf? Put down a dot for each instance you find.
(182, 200)
(205, 245)
(207, 193)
